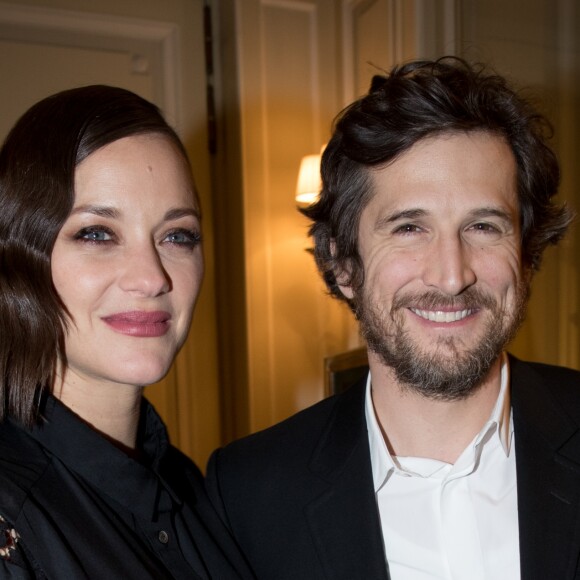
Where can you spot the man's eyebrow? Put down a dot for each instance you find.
(405, 214)
(484, 212)
(415, 213)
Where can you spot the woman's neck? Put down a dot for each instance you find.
(111, 409)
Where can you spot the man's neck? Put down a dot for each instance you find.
(416, 426)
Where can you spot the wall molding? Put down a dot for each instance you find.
(93, 30)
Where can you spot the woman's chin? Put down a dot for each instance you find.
(143, 374)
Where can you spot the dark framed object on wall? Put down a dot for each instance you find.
(344, 369)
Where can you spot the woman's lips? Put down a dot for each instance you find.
(139, 323)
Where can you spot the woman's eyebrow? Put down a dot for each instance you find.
(179, 212)
(98, 210)
(111, 212)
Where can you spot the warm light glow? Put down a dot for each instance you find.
(309, 183)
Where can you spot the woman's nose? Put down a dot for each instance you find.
(143, 272)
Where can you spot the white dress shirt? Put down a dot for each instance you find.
(452, 522)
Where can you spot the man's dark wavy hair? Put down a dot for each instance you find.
(414, 101)
(37, 168)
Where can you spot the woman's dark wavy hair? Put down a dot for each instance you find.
(37, 168)
(414, 101)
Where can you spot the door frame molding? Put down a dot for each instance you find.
(87, 29)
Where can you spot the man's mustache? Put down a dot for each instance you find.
(470, 299)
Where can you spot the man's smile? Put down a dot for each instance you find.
(442, 316)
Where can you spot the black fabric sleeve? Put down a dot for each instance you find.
(15, 561)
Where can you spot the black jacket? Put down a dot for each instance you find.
(86, 510)
(299, 496)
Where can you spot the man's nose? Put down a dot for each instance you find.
(448, 266)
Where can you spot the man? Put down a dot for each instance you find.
(453, 460)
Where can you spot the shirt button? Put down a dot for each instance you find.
(163, 537)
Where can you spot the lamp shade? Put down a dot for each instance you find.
(309, 182)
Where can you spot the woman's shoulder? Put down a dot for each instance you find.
(22, 463)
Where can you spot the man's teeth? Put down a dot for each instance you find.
(440, 316)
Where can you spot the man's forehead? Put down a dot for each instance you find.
(468, 171)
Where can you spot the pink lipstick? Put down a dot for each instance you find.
(139, 323)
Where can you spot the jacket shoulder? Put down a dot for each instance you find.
(295, 437)
(560, 384)
(548, 371)
(22, 463)
(544, 394)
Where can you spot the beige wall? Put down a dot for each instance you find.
(284, 58)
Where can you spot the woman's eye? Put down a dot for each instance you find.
(181, 237)
(95, 234)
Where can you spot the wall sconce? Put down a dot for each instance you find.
(309, 182)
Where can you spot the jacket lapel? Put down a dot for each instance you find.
(344, 519)
(547, 446)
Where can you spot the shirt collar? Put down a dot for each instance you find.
(501, 414)
(499, 424)
(123, 478)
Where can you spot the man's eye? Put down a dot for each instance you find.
(94, 234)
(187, 238)
(485, 227)
(407, 229)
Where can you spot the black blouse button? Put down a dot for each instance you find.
(163, 537)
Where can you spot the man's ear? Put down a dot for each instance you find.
(342, 275)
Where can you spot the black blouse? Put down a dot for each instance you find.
(74, 506)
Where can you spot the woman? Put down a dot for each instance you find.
(100, 266)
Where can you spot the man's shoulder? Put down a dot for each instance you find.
(558, 377)
(548, 370)
(562, 383)
(294, 439)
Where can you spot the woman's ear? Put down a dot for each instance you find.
(342, 274)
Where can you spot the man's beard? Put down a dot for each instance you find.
(447, 370)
